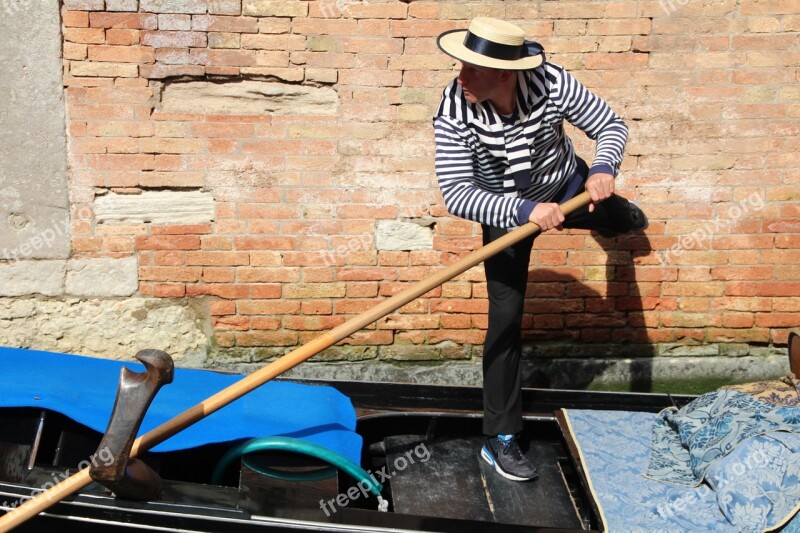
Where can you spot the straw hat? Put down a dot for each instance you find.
(492, 43)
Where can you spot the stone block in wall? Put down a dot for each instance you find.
(104, 276)
(34, 207)
(20, 278)
(399, 235)
(156, 207)
(114, 329)
(248, 98)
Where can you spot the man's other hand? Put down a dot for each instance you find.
(600, 187)
(547, 216)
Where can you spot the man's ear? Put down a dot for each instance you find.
(505, 75)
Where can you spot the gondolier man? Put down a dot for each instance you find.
(503, 159)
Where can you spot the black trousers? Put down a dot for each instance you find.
(506, 279)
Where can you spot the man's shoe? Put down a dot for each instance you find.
(628, 218)
(639, 220)
(508, 459)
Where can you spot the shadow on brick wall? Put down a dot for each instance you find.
(579, 333)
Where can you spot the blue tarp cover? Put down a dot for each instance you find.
(84, 389)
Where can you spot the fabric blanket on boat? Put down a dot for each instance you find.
(84, 389)
(614, 453)
(744, 442)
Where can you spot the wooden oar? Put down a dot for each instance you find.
(219, 400)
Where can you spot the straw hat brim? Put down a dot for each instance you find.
(452, 44)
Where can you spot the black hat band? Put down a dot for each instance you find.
(485, 47)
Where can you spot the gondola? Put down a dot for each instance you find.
(419, 442)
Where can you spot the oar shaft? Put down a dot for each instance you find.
(235, 391)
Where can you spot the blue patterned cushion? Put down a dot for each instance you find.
(686, 442)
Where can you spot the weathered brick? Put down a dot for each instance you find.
(322, 75)
(75, 51)
(417, 28)
(228, 58)
(129, 21)
(220, 308)
(122, 37)
(157, 273)
(168, 242)
(122, 5)
(424, 10)
(221, 258)
(274, 42)
(174, 6)
(225, 24)
(175, 22)
(274, 25)
(121, 54)
(276, 338)
(616, 61)
(172, 179)
(372, 78)
(324, 26)
(267, 307)
(109, 70)
(619, 27)
(770, 7)
(274, 8)
(174, 39)
(75, 19)
(225, 7)
(172, 146)
(159, 71)
(374, 10)
(371, 45)
(85, 35)
(218, 275)
(221, 290)
(84, 5)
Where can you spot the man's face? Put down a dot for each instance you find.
(478, 83)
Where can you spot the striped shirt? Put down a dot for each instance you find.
(493, 170)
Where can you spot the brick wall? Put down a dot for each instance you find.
(709, 89)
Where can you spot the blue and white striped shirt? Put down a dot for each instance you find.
(494, 170)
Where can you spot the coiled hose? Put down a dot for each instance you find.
(289, 444)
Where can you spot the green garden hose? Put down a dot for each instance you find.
(288, 444)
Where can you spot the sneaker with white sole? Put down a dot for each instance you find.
(508, 459)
